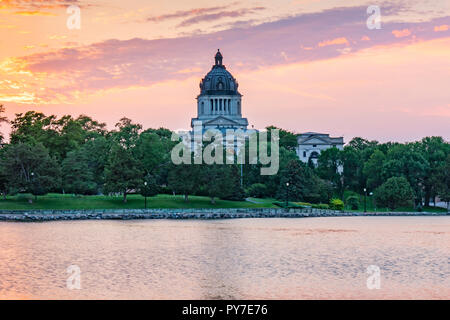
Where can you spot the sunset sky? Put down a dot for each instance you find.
(303, 65)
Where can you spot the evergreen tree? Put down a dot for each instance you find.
(77, 176)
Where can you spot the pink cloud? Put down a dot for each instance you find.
(219, 15)
(185, 13)
(81, 70)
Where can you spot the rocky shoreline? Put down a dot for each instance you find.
(205, 214)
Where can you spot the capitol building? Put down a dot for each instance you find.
(219, 106)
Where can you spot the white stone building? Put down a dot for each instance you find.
(311, 144)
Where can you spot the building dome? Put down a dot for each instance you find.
(219, 81)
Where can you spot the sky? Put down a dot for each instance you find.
(302, 65)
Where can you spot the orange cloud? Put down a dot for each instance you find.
(401, 33)
(365, 38)
(34, 13)
(444, 27)
(336, 41)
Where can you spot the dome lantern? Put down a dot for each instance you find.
(219, 81)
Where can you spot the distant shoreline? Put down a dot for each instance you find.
(188, 214)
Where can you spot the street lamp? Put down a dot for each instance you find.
(365, 196)
(32, 181)
(145, 194)
(287, 194)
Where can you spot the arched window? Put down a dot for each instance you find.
(219, 85)
(314, 155)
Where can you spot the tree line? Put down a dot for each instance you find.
(80, 156)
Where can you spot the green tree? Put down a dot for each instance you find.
(443, 186)
(78, 178)
(4, 181)
(30, 168)
(184, 179)
(122, 172)
(95, 152)
(3, 119)
(126, 133)
(372, 169)
(218, 182)
(395, 192)
(407, 161)
(304, 185)
(351, 159)
(59, 136)
(288, 140)
(230, 181)
(435, 150)
(153, 149)
(149, 188)
(329, 163)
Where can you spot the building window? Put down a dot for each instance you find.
(314, 145)
(203, 108)
(304, 154)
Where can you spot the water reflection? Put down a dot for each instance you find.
(228, 259)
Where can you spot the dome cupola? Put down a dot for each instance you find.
(219, 81)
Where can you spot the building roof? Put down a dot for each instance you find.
(318, 138)
(219, 81)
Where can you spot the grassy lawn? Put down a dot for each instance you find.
(371, 206)
(68, 201)
(60, 201)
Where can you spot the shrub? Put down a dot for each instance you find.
(336, 204)
(257, 190)
(321, 206)
(352, 202)
(291, 205)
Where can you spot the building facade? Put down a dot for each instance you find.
(311, 144)
(219, 104)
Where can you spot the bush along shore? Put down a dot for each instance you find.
(135, 214)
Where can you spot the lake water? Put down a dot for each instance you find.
(311, 258)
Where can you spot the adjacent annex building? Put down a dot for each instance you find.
(311, 144)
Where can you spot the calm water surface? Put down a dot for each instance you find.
(309, 258)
